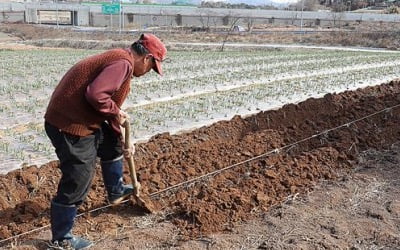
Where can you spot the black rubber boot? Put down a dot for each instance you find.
(112, 176)
(62, 220)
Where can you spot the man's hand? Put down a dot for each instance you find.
(128, 152)
(122, 117)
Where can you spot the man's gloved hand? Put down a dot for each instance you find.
(122, 117)
(128, 152)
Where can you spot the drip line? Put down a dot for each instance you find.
(196, 179)
(274, 151)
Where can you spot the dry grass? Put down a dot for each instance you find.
(378, 35)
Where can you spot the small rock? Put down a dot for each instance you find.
(264, 246)
(394, 208)
(271, 174)
(247, 153)
(262, 198)
(375, 213)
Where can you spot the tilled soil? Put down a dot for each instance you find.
(239, 192)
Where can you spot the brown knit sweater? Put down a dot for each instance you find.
(68, 108)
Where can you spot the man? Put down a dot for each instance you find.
(83, 122)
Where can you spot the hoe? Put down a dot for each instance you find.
(143, 203)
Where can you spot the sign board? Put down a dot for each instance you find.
(54, 17)
(110, 9)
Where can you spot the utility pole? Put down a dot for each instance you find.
(123, 17)
(57, 13)
(120, 16)
(301, 17)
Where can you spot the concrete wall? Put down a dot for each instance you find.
(130, 20)
(135, 21)
(12, 17)
(146, 16)
(194, 11)
(82, 17)
(31, 16)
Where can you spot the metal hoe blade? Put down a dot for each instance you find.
(142, 202)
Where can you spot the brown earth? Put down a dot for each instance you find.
(358, 210)
(241, 194)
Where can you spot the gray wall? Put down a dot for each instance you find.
(145, 16)
(131, 21)
(82, 17)
(12, 17)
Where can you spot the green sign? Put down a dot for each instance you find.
(110, 9)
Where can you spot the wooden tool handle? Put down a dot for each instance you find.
(131, 163)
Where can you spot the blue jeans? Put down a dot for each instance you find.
(77, 157)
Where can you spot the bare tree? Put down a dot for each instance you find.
(202, 20)
(235, 20)
(293, 17)
(205, 17)
(337, 18)
(250, 24)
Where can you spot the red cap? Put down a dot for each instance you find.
(156, 48)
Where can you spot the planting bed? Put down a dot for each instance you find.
(199, 89)
(220, 201)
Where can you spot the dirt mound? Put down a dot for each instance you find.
(238, 193)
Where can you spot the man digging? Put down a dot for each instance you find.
(83, 122)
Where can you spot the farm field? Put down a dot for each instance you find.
(266, 149)
(323, 174)
(199, 88)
